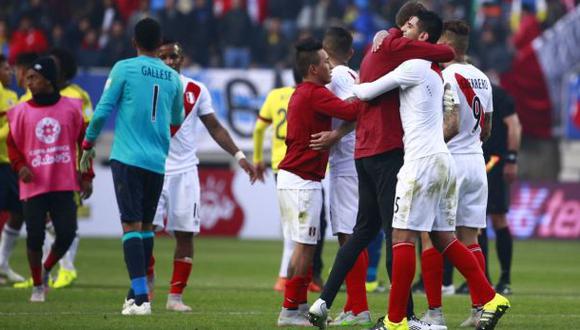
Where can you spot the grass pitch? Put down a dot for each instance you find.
(231, 287)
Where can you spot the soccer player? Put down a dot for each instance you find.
(343, 178)
(46, 162)
(180, 199)
(274, 112)
(426, 192)
(466, 124)
(310, 111)
(503, 144)
(378, 157)
(149, 98)
(9, 200)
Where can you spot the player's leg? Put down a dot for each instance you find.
(287, 250)
(343, 212)
(374, 251)
(8, 240)
(317, 283)
(63, 214)
(504, 247)
(301, 210)
(9, 201)
(34, 211)
(366, 228)
(432, 274)
(183, 202)
(130, 192)
(67, 272)
(152, 192)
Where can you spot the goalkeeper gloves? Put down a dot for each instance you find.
(86, 157)
(448, 101)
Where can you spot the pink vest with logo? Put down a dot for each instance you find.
(47, 137)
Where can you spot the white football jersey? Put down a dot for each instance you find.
(472, 92)
(341, 158)
(183, 147)
(421, 108)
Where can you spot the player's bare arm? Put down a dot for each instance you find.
(514, 128)
(224, 140)
(486, 129)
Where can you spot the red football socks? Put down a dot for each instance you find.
(403, 273)
(432, 270)
(51, 260)
(296, 289)
(467, 264)
(181, 271)
(356, 295)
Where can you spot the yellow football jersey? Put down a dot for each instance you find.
(273, 112)
(8, 99)
(73, 91)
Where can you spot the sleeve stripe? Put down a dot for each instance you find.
(269, 121)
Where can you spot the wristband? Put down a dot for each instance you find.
(87, 145)
(239, 155)
(511, 157)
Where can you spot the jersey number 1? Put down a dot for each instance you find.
(155, 98)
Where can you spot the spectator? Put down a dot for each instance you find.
(318, 15)
(4, 37)
(88, 53)
(236, 28)
(200, 44)
(103, 15)
(27, 39)
(118, 46)
(287, 12)
(172, 21)
(144, 11)
(57, 38)
(273, 48)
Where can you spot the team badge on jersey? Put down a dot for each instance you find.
(47, 130)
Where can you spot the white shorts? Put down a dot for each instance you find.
(471, 190)
(343, 203)
(426, 195)
(299, 208)
(179, 203)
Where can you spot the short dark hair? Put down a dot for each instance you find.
(337, 42)
(307, 54)
(296, 75)
(26, 59)
(408, 10)
(431, 23)
(66, 62)
(457, 32)
(148, 34)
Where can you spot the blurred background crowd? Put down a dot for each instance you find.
(255, 33)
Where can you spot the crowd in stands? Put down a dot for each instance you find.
(250, 33)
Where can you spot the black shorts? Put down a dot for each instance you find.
(9, 196)
(498, 196)
(137, 192)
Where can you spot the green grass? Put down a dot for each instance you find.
(230, 287)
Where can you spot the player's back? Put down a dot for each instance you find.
(148, 97)
(77, 92)
(278, 100)
(422, 110)
(473, 90)
(342, 153)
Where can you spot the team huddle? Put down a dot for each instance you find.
(402, 137)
